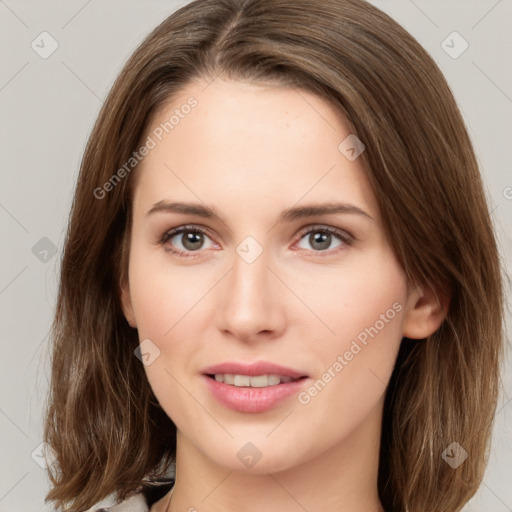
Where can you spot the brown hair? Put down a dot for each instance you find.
(104, 422)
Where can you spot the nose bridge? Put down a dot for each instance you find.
(251, 300)
(249, 279)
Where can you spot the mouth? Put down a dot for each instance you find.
(260, 373)
(253, 381)
(253, 387)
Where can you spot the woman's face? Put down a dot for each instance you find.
(281, 258)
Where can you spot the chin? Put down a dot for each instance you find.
(254, 458)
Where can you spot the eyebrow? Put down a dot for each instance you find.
(288, 215)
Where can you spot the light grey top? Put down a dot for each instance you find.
(141, 500)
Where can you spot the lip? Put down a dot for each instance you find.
(249, 399)
(253, 400)
(253, 369)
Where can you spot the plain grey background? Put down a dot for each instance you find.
(48, 106)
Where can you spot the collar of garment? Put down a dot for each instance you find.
(142, 499)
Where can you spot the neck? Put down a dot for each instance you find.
(341, 479)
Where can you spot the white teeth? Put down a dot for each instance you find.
(273, 380)
(258, 381)
(241, 380)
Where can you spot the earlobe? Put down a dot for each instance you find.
(126, 304)
(425, 312)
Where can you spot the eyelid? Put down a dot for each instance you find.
(172, 232)
(169, 233)
(344, 235)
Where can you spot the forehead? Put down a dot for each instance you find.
(269, 144)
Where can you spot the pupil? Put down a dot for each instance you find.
(192, 241)
(323, 240)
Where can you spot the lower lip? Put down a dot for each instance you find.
(247, 399)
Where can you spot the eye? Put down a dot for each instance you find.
(324, 239)
(186, 239)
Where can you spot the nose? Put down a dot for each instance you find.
(251, 304)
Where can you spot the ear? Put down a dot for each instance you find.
(126, 304)
(425, 311)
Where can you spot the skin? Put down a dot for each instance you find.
(249, 152)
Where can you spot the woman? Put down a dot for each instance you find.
(280, 281)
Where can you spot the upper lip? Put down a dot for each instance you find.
(253, 369)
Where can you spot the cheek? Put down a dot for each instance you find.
(164, 295)
(365, 310)
(370, 290)
(167, 304)
(370, 301)
(163, 300)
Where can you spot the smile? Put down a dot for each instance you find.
(257, 381)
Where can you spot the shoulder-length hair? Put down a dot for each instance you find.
(103, 421)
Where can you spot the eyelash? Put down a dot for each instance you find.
(344, 237)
